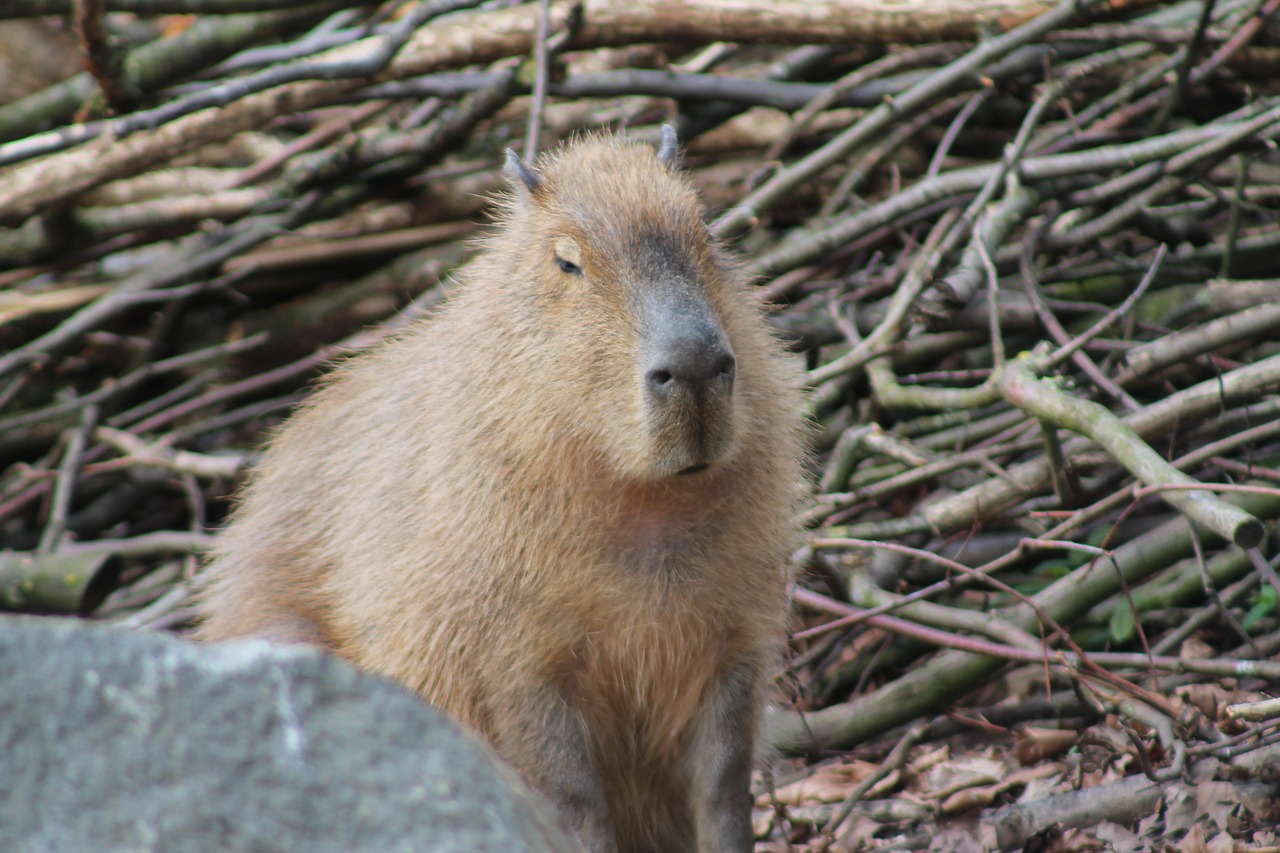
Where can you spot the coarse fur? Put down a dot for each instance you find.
(493, 510)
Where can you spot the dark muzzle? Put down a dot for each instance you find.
(688, 354)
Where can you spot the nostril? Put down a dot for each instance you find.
(728, 366)
(659, 378)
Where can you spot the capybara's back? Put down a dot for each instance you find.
(560, 509)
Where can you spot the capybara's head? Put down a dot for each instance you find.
(633, 300)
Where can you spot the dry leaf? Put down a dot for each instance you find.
(1194, 648)
(1119, 838)
(1193, 841)
(951, 776)
(1181, 812)
(831, 783)
(1217, 802)
(977, 797)
(1221, 843)
(1208, 698)
(969, 798)
(927, 759)
(1032, 744)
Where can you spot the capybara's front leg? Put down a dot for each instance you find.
(722, 760)
(547, 741)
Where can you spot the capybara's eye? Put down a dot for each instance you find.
(568, 266)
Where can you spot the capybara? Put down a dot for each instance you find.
(560, 509)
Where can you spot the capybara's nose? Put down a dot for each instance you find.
(692, 357)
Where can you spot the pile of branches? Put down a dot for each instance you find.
(1028, 251)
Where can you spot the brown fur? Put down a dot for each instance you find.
(488, 510)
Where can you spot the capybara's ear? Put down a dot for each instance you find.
(669, 148)
(521, 173)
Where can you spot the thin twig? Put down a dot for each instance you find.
(64, 486)
(542, 72)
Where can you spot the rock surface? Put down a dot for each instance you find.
(117, 741)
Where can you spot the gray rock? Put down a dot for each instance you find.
(115, 741)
